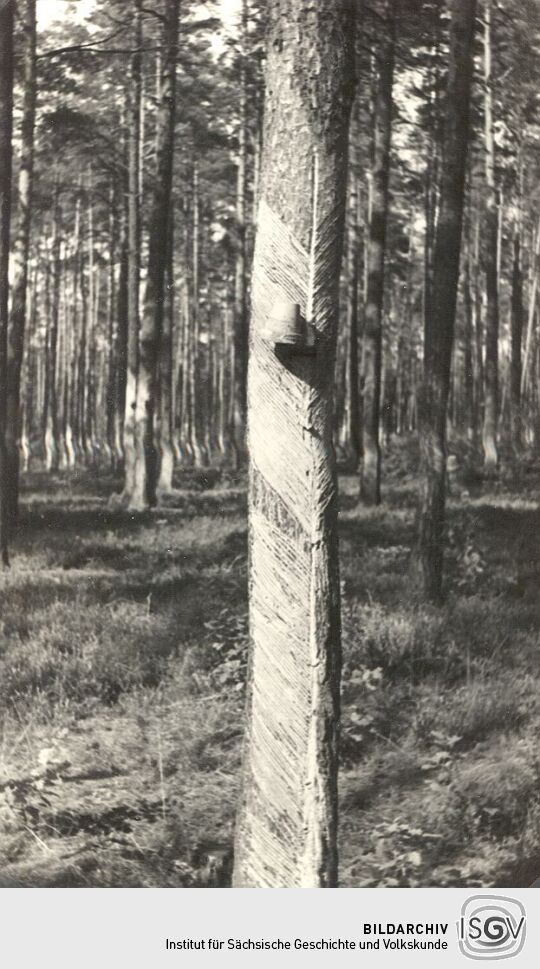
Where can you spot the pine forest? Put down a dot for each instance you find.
(269, 443)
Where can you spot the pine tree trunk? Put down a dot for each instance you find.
(29, 388)
(468, 338)
(73, 428)
(403, 361)
(6, 128)
(223, 430)
(353, 257)
(533, 291)
(121, 340)
(477, 333)
(21, 249)
(143, 494)
(133, 258)
(112, 327)
(63, 372)
(82, 356)
(491, 391)
(433, 160)
(90, 373)
(439, 332)
(370, 476)
(468, 371)
(240, 301)
(197, 451)
(51, 424)
(286, 835)
(516, 337)
(166, 453)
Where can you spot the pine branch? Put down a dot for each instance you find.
(80, 47)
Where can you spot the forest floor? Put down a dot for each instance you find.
(122, 663)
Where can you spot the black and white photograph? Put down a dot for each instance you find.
(270, 444)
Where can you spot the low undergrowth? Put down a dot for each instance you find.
(123, 645)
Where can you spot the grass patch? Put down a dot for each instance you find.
(123, 644)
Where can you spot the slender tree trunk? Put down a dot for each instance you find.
(477, 332)
(6, 128)
(185, 406)
(491, 392)
(73, 426)
(51, 426)
(199, 458)
(370, 476)
(353, 259)
(533, 292)
(143, 494)
(286, 835)
(433, 160)
(166, 452)
(133, 258)
(177, 375)
(516, 337)
(222, 428)
(63, 370)
(469, 378)
(112, 328)
(468, 337)
(90, 374)
(29, 373)
(82, 361)
(240, 300)
(121, 338)
(21, 251)
(439, 332)
(534, 433)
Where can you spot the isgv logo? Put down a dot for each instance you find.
(491, 927)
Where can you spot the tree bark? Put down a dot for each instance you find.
(143, 494)
(491, 390)
(166, 452)
(6, 129)
(51, 421)
(286, 834)
(353, 260)
(439, 323)
(133, 258)
(21, 250)
(63, 369)
(121, 344)
(370, 475)
(477, 332)
(90, 372)
(112, 328)
(516, 339)
(240, 300)
(29, 389)
(468, 335)
(73, 431)
(533, 292)
(82, 355)
(432, 179)
(193, 329)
